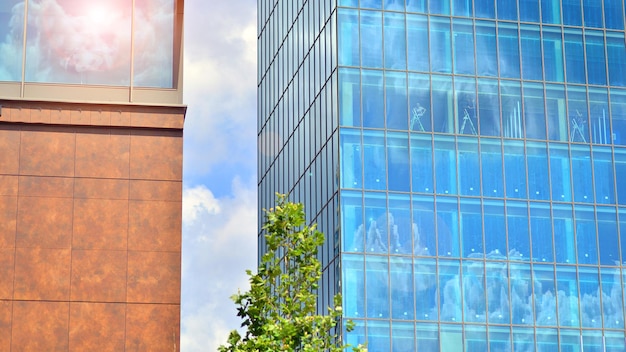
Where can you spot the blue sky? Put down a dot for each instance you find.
(219, 183)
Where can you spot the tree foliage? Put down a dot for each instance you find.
(279, 310)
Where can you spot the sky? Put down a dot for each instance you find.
(219, 165)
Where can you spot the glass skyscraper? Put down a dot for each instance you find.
(466, 160)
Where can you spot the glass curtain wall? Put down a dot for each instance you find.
(482, 147)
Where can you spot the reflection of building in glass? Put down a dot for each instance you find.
(465, 160)
(91, 121)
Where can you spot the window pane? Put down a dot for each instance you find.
(440, 7)
(488, 108)
(462, 8)
(596, 65)
(593, 13)
(564, 238)
(620, 173)
(616, 53)
(603, 173)
(440, 40)
(551, 11)
(425, 289)
(510, 95)
(396, 100)
(374, 163)
(419, 103)
(529, 10)
(514, 169)
(497, 274)
(471, 229)
(541, 233)
(11, 40)
(612, 311)
(567, 285)
(556, 113)
(371, 39)
(613, 14)
(521, 295)
(607, 236)
(577, 108)
(463, 40)
(350, 95)
(449, 291)
(531, 52)
(398, 161)
(348, 22)
(353, 285)
(378, 335)
(534, 114)
(401, 285)
(475, 338)
(373, 99)
(469, 168)
(351, 159)
(546, 294)
(484, 9)
(574, 56)
(465, 92)
(486, 47)
(377, 285)
(495, 226)
(443, 105)
(560, 173)
(416, 5)
(599, 116)
(423, 227)
(572, 12)
(553, 54)
(586, 235)
(507, 10)
(372, 4)
(448, 242)
(422, 163)
(403, 337)
(445, 165)
(538, 183)
(582, 174)
(427, 337)
(395, 41)
(517, 225)
(588, 295)
(508, 49)
(417, 36)
(492, 168)
(618, 116)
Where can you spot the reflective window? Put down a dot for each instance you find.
(589, 308)
(484, 9)
(485, 32)
(614, 341)
(495, 226)
(556, 113)
(607, 236)
(582, 174)
(553, 54)
(514, 169)
(529, 10)
(377, 288)
(551, 11)
(577, 112)
(622, 238)
(560, 173)
(497, 274)
(507, 10)
(488, 107)
(541, 234)
(440, 41)
(399, 178)
(422, 163)
(531, 52)
(448, 242)
(427, 337)
(11, 40)
(350, 95)
(523, 339)
(475, 338)
(564, 237)
(567, 285)
(616, 53)
(449, 292)
(469, 168)
(574, 56)
(593, 13)
(417, 47)
(613, 13)
(348, 33)
(423, 227)
(620, 172)
(395, 41)
(396, 100)
(445, 165)
(537, 161)
(471, 230)
(351, 159)
(371, 39)
(443, 106)
(378, 338)
(534, 114)
(353, 284)
(572, 12)
(596, 64)
(462, 7)
(419, 103)
(417, 5)
(403, 336)
(508, 49)
(373, 103)
(499, 338)
(371, 4)
(518, 231)
(465, 92)
(546, 311)
(463, 41)
(603, 175)
(618, 115)
(511, 100)
(521, 296)
(440, 7)
(426, 300)
(401, 286)
(599, 116)
(492, 168)
(374, 163)
(586, 235)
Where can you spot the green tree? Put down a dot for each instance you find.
(279, 310)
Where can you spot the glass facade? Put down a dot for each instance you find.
(465, 159)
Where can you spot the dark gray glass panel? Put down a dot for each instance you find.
(396, 100)
(593, 13)
(374, 163)
(439, 7)
(422, 163)
(495, 229)
(402, 337)
(427, 337)
(577, 112)
(538, 180)
(514, 169)
(400, 226)
(596, 64)
(12, 40)
(471, 229)
(612, 301)
(499, 338)
(603, 175)
(395, 41)
(377, 287)
(449, 292)
(448, 242)
(531, 52)
(475, 338)
(371, 39)
(462, 8)
(492, 167)
(445, 165)
(620, 174)
(371, 4)
(486, 48)
(378, 335)
(484, 9)
(553, 54)
(529, 10)
(547, 340)
(399, 177)
(618, 116)
(401, 286)
(572, 12)
(541, 234)
(498, 302)
(582, 174)
(523, 339)
(463, 41)
(567, 286)
(614, 341)
(426, 297)
(607, 236)
(508, 49)
(423, 226)
(373, 103)
(419, 103)
(551, 11)
(590, 305)
(440, 45)
(556, 113)
(560, 173)
(351, 158)
(545, 298)
(511, 100)
(518, 231)
(613, 14)
(350, 97)
(348, 23)
(443, 105)
(417, 46)
(417, 6)
(469, 167)
(574, 56)
(507, 10)
(564, 238)
(353, 283)
(534, 113)
(586, 235)
(616, 53)
(488, 108)
(521, 295)
(599, 116)
(465, 92)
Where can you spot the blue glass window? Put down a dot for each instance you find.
(495, 226)
(447, 227)
(593, 13)
(395, 5)
(426, 302)
(531, 52)
(620, 174)
(615, 341)
(475, 338)
(423, 227)
(572, 13)
(564, 238)
(616, 53)
(488, 107)
(416, 5)
(518, 231)
(11, 36)
(547, 340)
(395, 41)
(492, 167)
(462, 8)
(439, 7)
(465, 91)
(374, 163)
(582, 174)
(574, 56)
(545, 293)
(603, 175)
(373, 103)
(551, 11)
(451, 337)
(499, 338)
(485, 9)
(538, 182)
(378, 338)
(497, 276)
(351, 158)
(607, 236)
(445, 165)
(521, 296)
(511, 100)
(401, 286)
(529, 10)
(348, 23)
(486, 48)
(398, 162)
(567, 284)
(613, 13)
(350, 93)
(471, 229)
(463, 46)
(560, 173)
(596, 64)
(440, 41)
(523, 339)
(534, 114)
(353, 284)
(577, 112)
(372, 4)
(353, 226)
(556, 113)
(590, 308)
(428, 336)
(450, 292)
(403, 336)
(553, 54)
(586, 235)
(371, 39)
(507, 10)
(419, 103)
(618, 116)
(422, 163)
(349, 3)
(514, 169)
(508, 48)
(442, 104)
(541, 234)
(622, 238)
(599, 116)
(417, 47)
(377, 285)
(396, 100)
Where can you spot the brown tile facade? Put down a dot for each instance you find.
(90, 227)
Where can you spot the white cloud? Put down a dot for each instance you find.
(219, 244)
